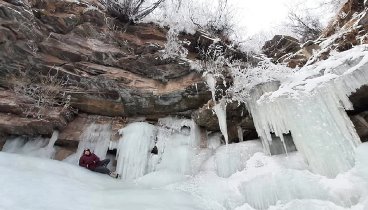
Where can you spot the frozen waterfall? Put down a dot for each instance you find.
(36, 146)
(311, 105)
(134, 149)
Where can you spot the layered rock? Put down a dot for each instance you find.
(112, 70)
(16, 116)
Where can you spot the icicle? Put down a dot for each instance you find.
(220, 110)
(196, 86)
(284, 144)
(53, 139)
(211, 82)
(240, 133)
(195, 135)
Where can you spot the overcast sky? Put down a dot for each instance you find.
(255, 16)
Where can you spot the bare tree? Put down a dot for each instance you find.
(130, 10)
(306, 27)
(218, 21)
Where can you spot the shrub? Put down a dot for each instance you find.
(130, 10)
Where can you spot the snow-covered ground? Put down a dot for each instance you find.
(256, 181)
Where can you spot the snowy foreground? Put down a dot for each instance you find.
(262, 182)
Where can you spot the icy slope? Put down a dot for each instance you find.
(39, 184)
(264, 182)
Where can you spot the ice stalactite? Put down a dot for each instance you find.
(211, 82)
(53, 139)
(134, 149)
(220, 110)
(220, 106)
(195, 134)
(311, 105)
(240, 133)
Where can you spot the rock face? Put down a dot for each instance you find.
(112, 71)
(14, 119)
(280, 46)
(236, 114)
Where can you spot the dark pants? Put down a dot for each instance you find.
(101, 167)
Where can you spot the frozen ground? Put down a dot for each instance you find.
(256, 181)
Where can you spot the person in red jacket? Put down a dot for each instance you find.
(90, 161)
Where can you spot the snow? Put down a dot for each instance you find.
(36, 184)
(259, 182)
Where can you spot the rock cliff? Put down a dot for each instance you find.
(108, 68)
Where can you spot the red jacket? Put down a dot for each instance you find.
(89, 161)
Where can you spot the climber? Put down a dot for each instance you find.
(90, 161)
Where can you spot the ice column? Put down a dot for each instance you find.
(220, 110)
(134, 149)
(240, 133)
(220, 107)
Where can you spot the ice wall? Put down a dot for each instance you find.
(311, 106)
(134, 149)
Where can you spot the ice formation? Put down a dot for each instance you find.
(95, 137)
(134, 149)
(211, 82)
(37, 147)
(220, 106)
(310, 105)
(220, 110)
(177, 142)
(232, 158)
(240, 133)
